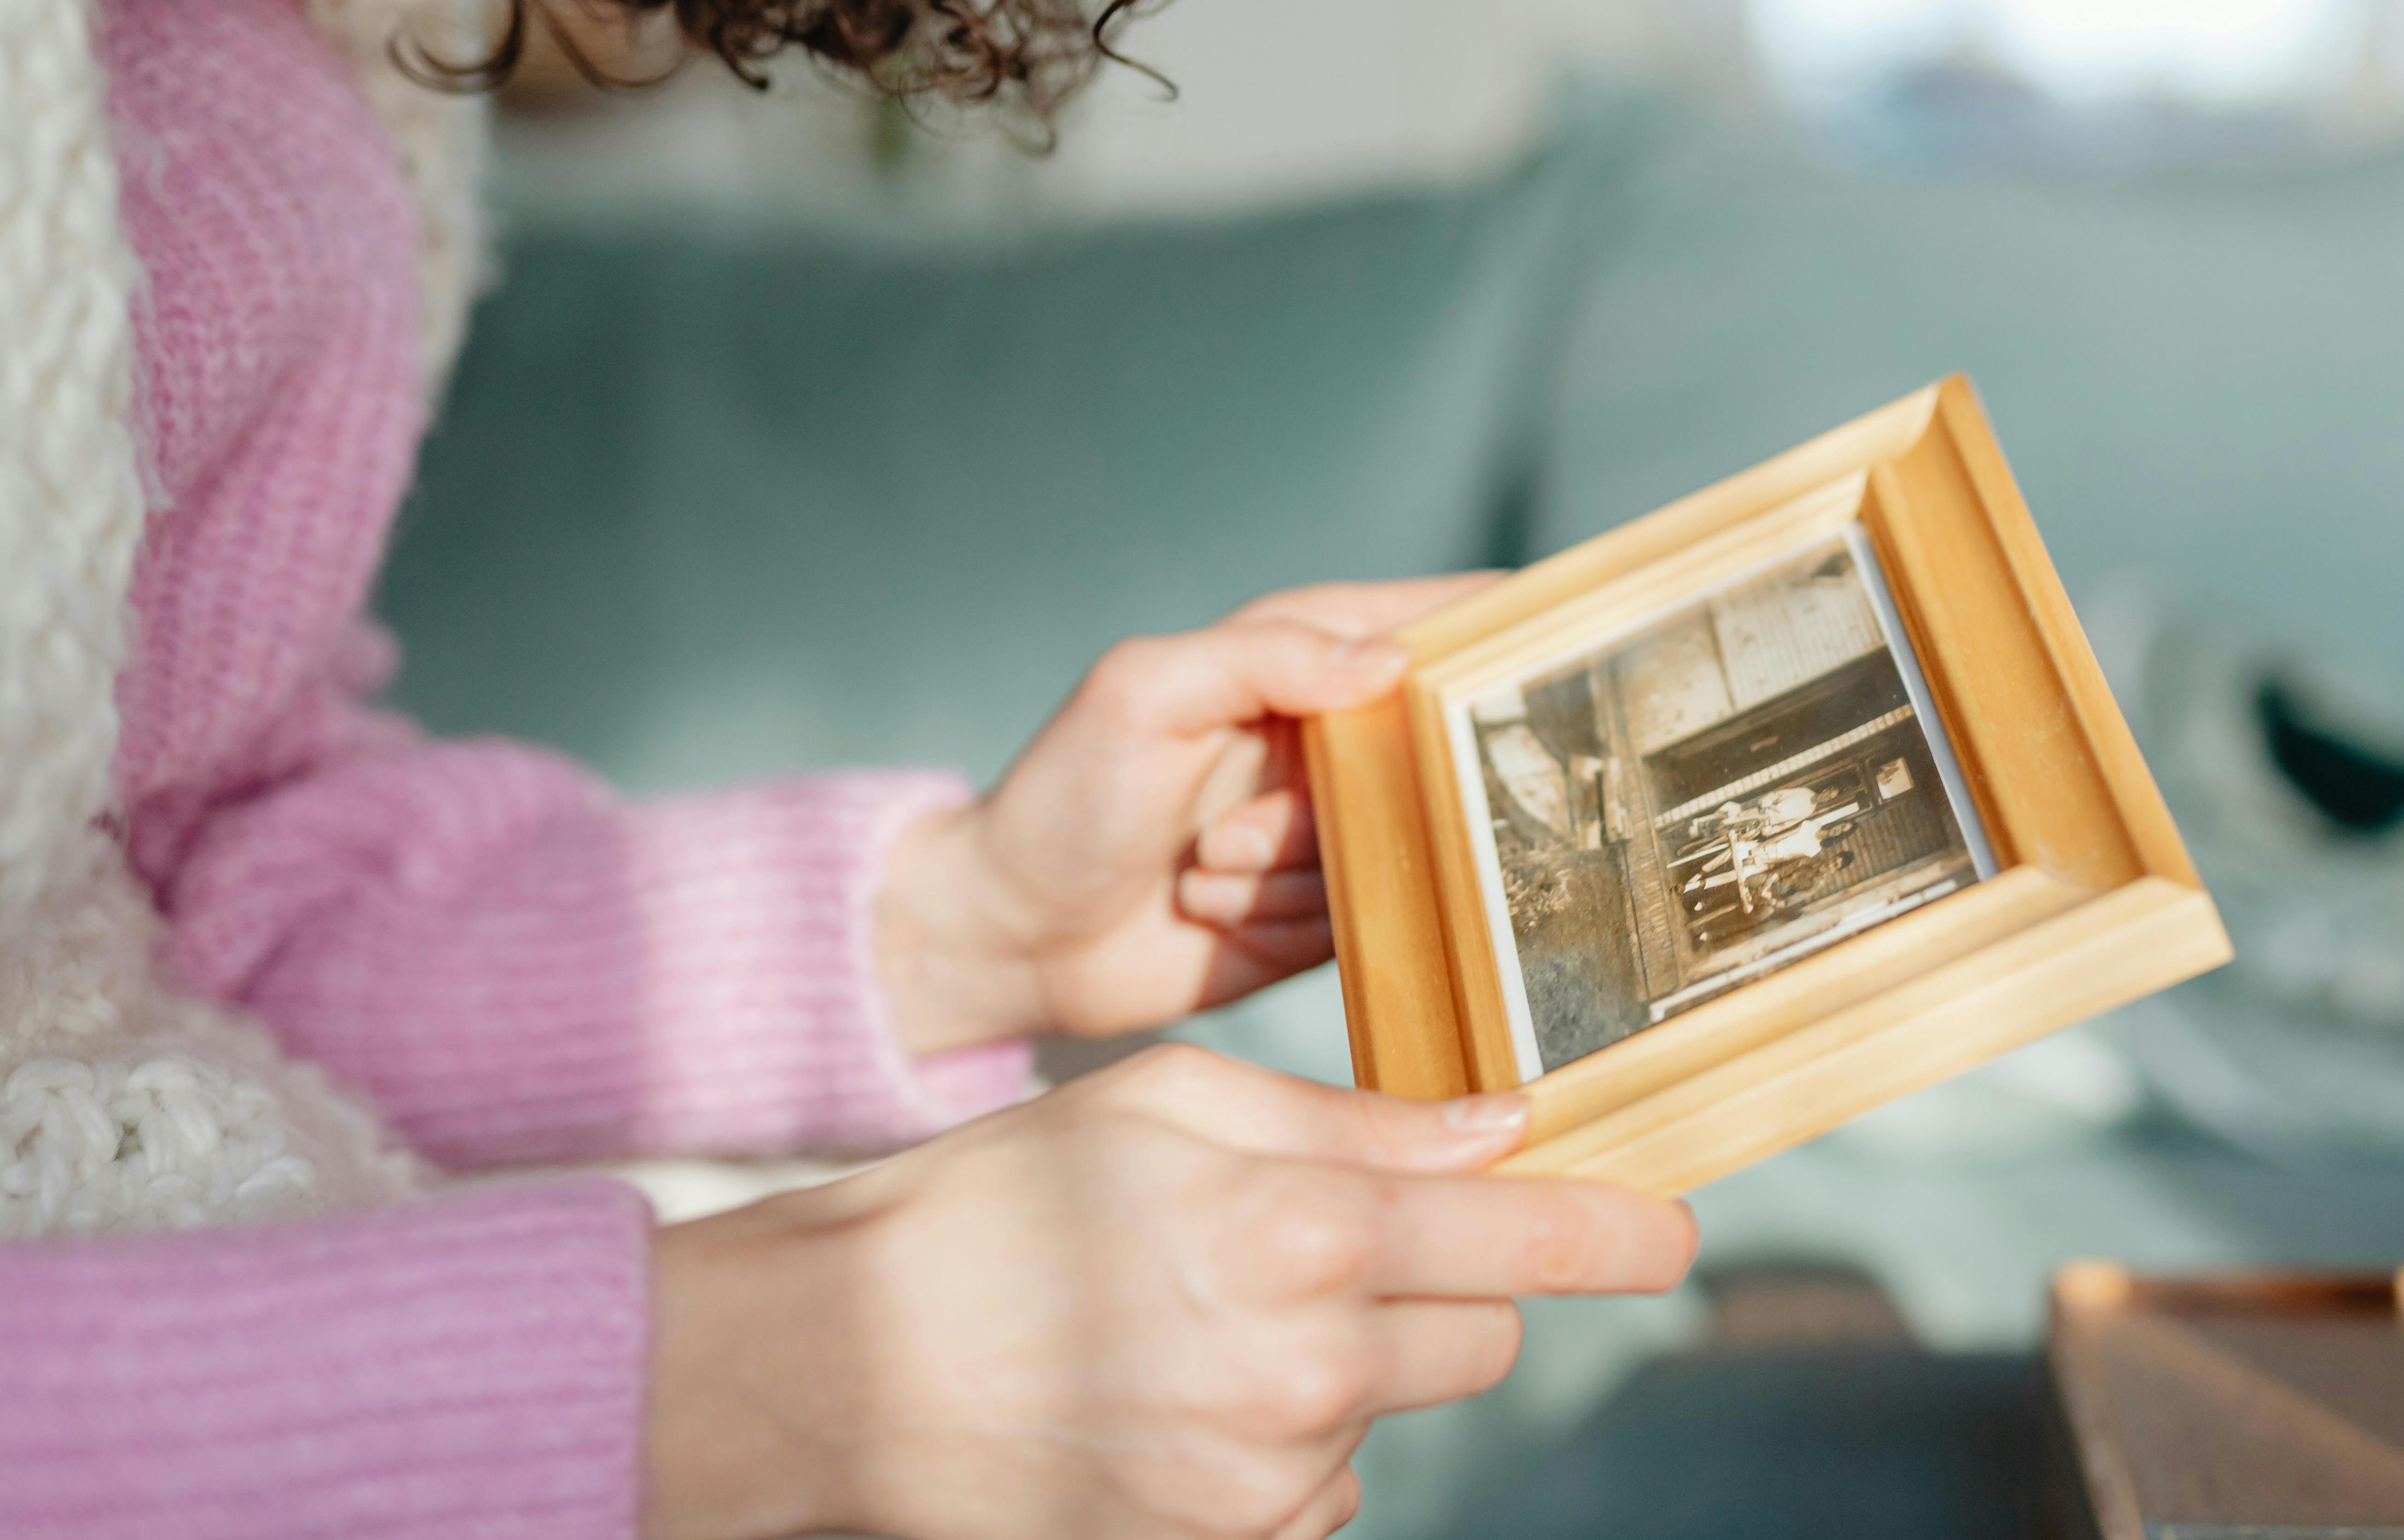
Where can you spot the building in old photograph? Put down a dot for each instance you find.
(1682, 811)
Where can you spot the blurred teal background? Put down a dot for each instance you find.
(722, 496)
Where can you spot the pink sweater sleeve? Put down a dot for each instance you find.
(469, 1366)
(518, 968)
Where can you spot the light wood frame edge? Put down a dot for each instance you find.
(1406, 980)
(1406, 1008)
(2114, 948)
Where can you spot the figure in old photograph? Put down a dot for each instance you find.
(1678, 811)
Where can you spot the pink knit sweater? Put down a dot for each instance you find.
(512, 966)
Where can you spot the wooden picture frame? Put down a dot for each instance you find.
(2065, 890)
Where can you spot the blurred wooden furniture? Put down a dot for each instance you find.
(2238, 1407)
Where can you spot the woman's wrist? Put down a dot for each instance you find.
(751, 1428)
(955, 945)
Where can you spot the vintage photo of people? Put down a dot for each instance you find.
(1674, 812)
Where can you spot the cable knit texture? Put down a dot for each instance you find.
(508, 964)
(124, 1102)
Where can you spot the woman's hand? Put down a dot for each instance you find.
(1166, 1301)
(1152, 853)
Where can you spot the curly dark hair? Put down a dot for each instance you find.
(1028, 54)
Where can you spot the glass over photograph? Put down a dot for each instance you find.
(1670, 813)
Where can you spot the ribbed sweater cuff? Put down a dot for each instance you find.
(759, 910)
(450, 1370)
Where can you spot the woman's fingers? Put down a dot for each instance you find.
(1272, 832)
(1254, 955)
(1265, 953)
(1444, 1351)
(1244, 1107)
(1238, 672)
(1404, 1227)
(1329, 1510)
(1364, 609)
(1221, 898)
(1315, 1232)
(1460, 1237)
(1288, 946)
(1250, 762)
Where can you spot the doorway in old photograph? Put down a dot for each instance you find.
(1667, 814)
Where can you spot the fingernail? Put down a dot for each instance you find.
(1487, 1113)
(1243, 848)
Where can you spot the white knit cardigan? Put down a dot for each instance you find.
(125, 1104)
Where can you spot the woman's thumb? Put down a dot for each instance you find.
(1244, 669)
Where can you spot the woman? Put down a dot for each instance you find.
(1166, 1301)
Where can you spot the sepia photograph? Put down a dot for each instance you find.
(1667, 814)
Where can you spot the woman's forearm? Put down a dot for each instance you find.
(519, 968)
(470, 1365)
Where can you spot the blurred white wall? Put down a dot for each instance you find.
(1277, 101)
(1286, 99)
(2231, 54)
(1280, 99)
